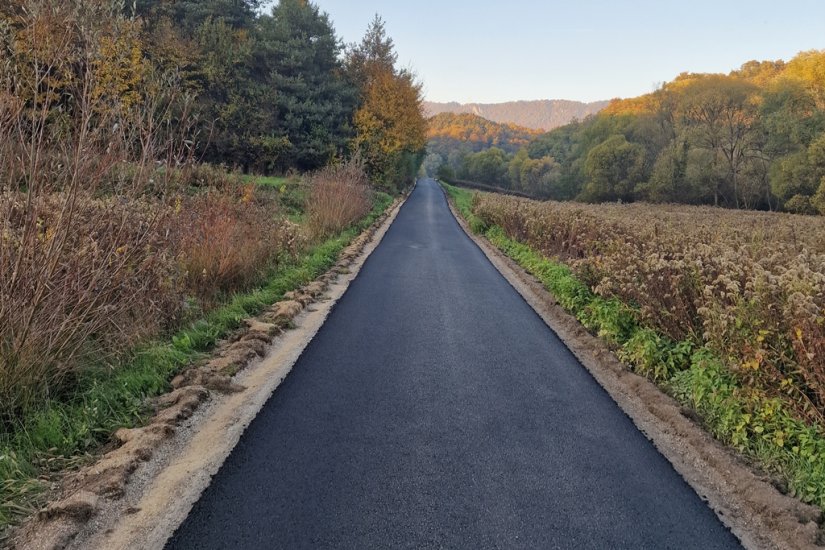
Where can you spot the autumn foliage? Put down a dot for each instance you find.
(751, 139)
(111, 232)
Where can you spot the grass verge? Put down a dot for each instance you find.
(61, 434)
(759, 427)
(266, 181)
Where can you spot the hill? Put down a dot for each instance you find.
(753, 138)
(448, 129)
(545, 114)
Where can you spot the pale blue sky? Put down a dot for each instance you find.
(485, 51)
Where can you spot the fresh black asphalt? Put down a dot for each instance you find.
(435, 409)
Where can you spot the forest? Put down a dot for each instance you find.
(751, 139)
(253, 94)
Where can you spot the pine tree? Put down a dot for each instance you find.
(313, 99)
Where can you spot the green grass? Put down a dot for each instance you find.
(757, 426)
(266, 181)
(62, 433)
(463, 201)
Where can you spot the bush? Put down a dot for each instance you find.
(225, 242)
(339, 195)
(69, 291)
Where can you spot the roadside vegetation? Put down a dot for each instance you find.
(724, 310)
(123, 255)
(751, 139)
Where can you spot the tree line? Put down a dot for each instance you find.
(269, 92)
(753, 138)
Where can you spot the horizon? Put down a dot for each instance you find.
(463, 103)
(596, 50)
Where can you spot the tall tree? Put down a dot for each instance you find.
(390, 125)
(721, 113)
(188, 15)
(614, 168)
(314, 100)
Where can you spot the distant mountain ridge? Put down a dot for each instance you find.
(543, 114)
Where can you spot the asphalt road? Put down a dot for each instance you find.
(436, 410)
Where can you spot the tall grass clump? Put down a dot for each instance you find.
(84, 267)
(339, 195)
(227, 240)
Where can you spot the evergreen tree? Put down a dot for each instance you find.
(313, 100)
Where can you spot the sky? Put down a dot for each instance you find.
(486, 52)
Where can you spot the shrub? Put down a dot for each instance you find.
(91, 287)
(226, 241)
(84, 267)
(339, 195)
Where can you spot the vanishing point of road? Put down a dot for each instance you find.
(435, 409)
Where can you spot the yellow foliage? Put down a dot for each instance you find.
(119, 67)
(634, 106)
(390, 121)
(809, 68)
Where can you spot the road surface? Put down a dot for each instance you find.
(435, 409)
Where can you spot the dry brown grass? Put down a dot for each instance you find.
(339, 196)
(227, 240)
(749, 285)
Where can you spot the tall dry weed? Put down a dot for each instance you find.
(83, 266)
(227, 240)
(339, 196)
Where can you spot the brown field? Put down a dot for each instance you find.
(750, 286)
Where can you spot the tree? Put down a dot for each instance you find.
(539, 176)
(188, 15)
(389, 123)
(668, 180)
(808, 68)
(230, 99)
(488, 167)
(818, 200)
(721, 114)
(313, 100)
(514, 167)
(375, 53)
(614, 168)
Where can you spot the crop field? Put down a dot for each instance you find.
(724, 309)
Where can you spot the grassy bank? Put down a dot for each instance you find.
(62, 433)
(267, 181)
(761, 425)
